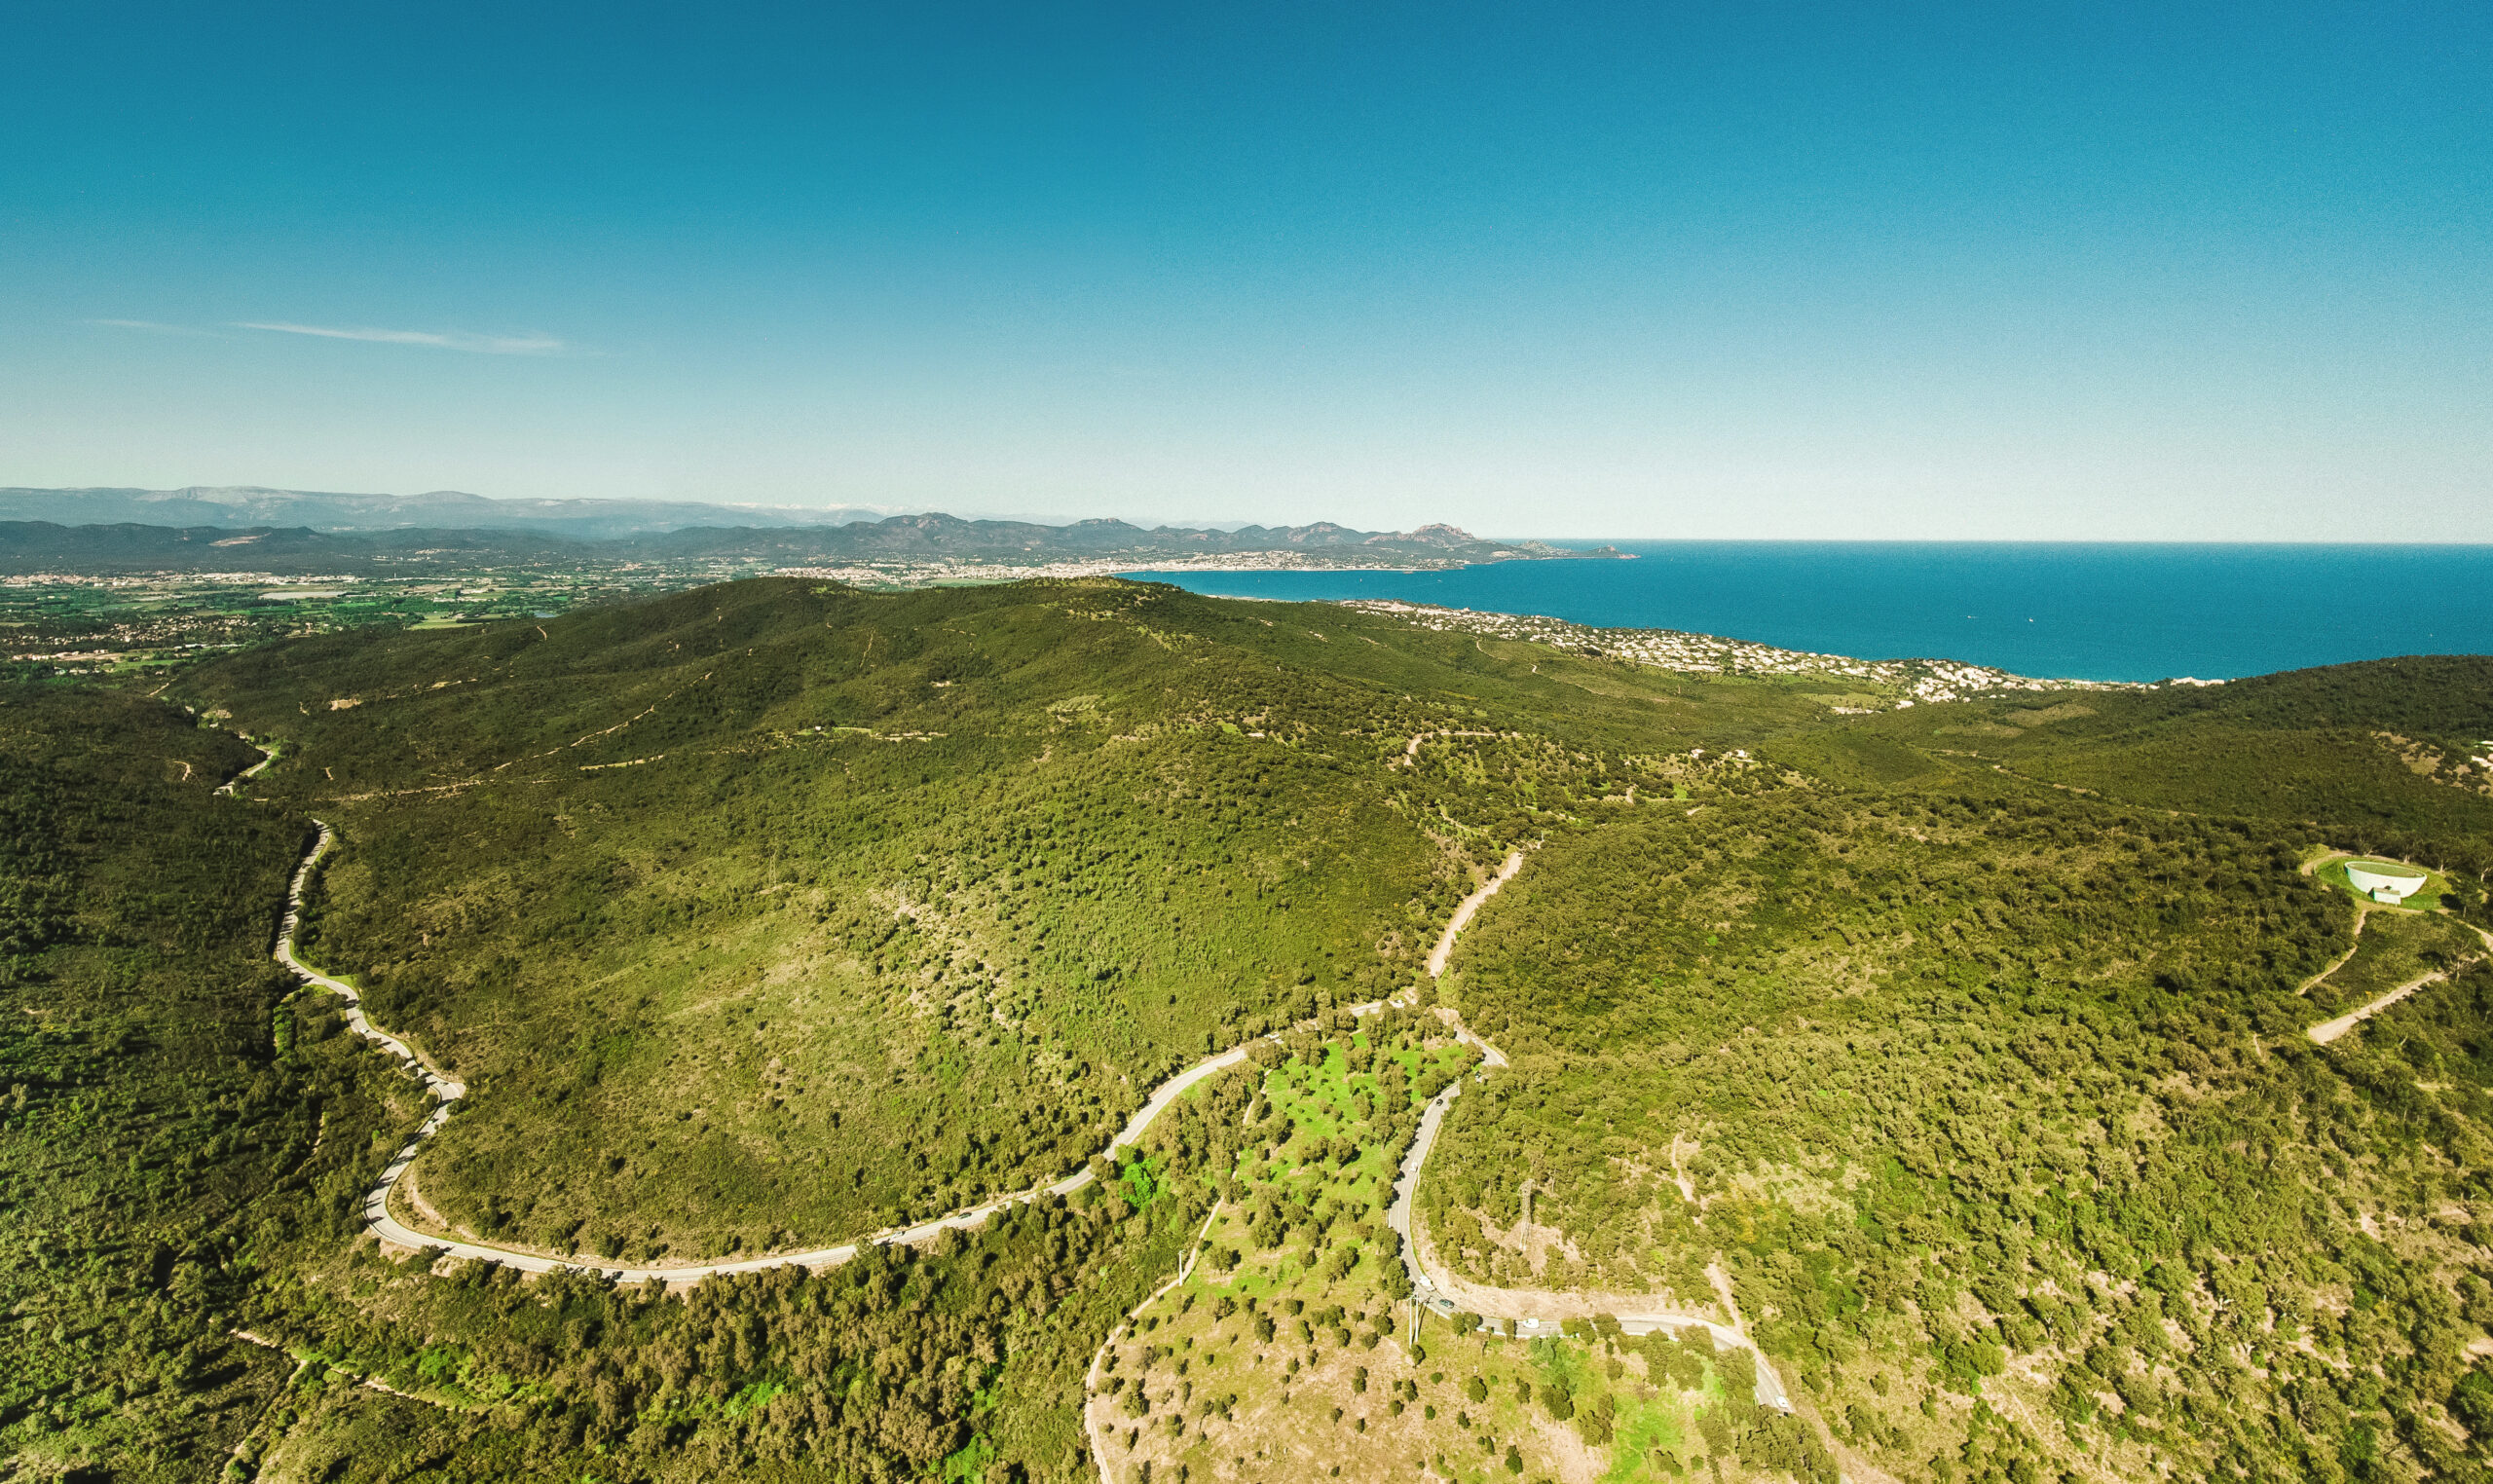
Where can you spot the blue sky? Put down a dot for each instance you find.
(2152, 271)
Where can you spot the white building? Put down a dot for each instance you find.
(2383, 881)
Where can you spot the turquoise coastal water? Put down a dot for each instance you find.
(2107, 612)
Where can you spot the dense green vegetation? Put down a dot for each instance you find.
(158, 1150)
(779, 913)
(899, 1365)
(185, 1141)
(1288, 1353)
(2375, 752)
(2396, 948)
(1966, 1040)
(1993, 1100)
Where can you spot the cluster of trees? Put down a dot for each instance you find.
(888, 1368)
(2397, 947)
(185, 1142)
(1288, 1349)
(2330, 745)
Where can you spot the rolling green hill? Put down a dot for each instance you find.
(171, 1129)
(774, 914)
(1989, 1104)
(1964, 1043)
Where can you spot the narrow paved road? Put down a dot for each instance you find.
(268, 755)
(2329, 1031)
(1530, 1311)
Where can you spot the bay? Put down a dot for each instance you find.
(2083, 610)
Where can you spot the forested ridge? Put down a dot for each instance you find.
(1965, 1041)
(777, 912)
(2383, 752)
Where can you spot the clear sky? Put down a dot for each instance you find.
(1984, 271)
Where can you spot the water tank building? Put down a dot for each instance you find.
(2384, 880)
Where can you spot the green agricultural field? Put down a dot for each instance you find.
(152, 625)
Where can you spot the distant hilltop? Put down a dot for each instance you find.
(208, 529)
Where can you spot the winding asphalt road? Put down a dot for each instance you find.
(1425, 1290)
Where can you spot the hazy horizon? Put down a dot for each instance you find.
(855, 512)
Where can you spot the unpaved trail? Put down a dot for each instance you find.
(446, 1091)
(2363, 915)
(1411, 750)
(1464, 913)
(2329, 1031)
(1090, 1429)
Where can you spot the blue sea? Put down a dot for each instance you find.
(2081, 610)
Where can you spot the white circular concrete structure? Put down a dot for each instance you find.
(2383, 880)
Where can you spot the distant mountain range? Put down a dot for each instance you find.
(252, 506)
(132, 546)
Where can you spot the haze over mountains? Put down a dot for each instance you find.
(282, 531)
(252, 506)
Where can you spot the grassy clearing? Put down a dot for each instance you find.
(2426, 897)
